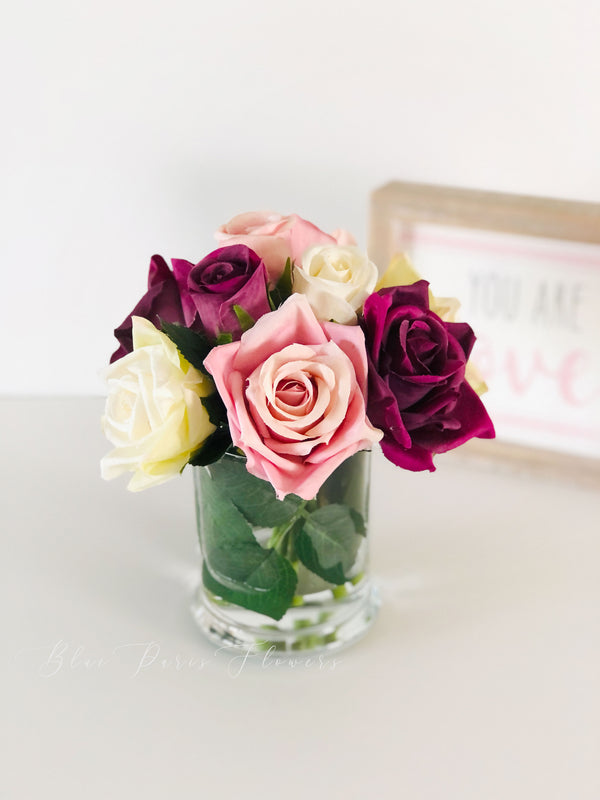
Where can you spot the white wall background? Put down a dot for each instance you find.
(137, 126)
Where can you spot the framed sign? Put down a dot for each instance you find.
(527, 273)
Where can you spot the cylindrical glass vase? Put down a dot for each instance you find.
(289, 574)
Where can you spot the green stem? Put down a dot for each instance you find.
(277, 539)
(339, 591)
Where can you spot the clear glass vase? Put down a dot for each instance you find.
(289, 575)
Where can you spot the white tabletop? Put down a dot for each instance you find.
(480, 678)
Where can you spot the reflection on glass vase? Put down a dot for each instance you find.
(286, 574)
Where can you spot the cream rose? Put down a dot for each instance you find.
(153, 415)
(336, 280)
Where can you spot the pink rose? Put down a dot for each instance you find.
(276, 238)
(294, 389)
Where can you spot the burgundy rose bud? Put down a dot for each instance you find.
(418, 395)
(227, 277)
(161, 302)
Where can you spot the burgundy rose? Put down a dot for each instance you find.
(161, 302)
(229, 276)
(418, 394)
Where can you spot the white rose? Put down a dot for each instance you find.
(153, 415)
(336, 280)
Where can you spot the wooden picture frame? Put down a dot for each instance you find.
(527, 273)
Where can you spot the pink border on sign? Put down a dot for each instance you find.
(512, 249)
(417, 236)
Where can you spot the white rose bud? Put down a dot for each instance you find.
(153, 415)
(336, 280)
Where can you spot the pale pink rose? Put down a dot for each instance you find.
(294, 389)
(275, 238)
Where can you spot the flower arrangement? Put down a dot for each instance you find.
(273, 360)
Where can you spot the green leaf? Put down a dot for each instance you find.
(271, 594)
(244, 318)
(212, 449)
(217, 411)
(359, 522)
(328, 542)
(224, 338)
(192, 345)
(283, 288)
(349, 483)
(284, 284)
(236, 567)
(254, 497)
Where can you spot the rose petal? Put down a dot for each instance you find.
(162, 301)
(295, 453)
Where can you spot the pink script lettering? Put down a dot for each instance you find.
(523, 369)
